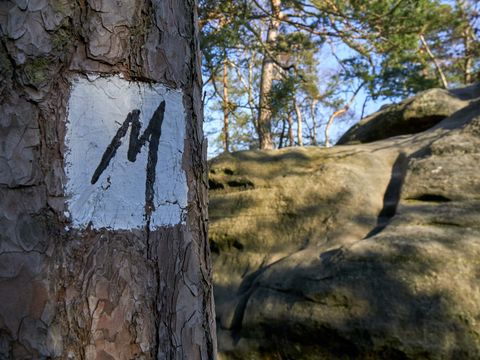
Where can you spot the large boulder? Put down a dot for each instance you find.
(354, 252)
(410, 116)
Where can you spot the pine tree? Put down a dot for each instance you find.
(103, 241)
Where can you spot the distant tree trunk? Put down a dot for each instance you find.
(266, 81)
(438, 67)
(468, 35)
(282, 134)
(364, 106)
(291, 138)
(250, 100)
(226, 108)
(468, 45)
(299, 123)
(340, 112)
(103, 251)
(313, 105)
(330, 122)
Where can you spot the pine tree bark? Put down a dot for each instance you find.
(96, 292)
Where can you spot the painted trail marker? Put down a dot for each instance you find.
(123, 161)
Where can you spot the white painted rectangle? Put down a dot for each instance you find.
(97, 108)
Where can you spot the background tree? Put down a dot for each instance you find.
(424, 44)
(408, 53)
(260, 28)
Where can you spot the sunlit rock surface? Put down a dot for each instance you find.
(410, 116)
(366, 251)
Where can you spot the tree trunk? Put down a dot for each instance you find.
(266, 81)
(468, 35)
(313, 105)
(330, 122)
(299, 123)
(340, 112)
(441, 75)
(468, 63)
(251, 103)
(226, 108)
(291, 139)
(103, 248)
(282, 134)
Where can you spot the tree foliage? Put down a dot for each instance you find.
(392, 48)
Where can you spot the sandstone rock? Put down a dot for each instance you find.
(410, 116)
(354, 252)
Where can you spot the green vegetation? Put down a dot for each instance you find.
(36, 70)
(268, 63)
(62, 39)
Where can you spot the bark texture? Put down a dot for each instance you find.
(95, 294)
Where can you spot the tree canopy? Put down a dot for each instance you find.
(273, 66)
